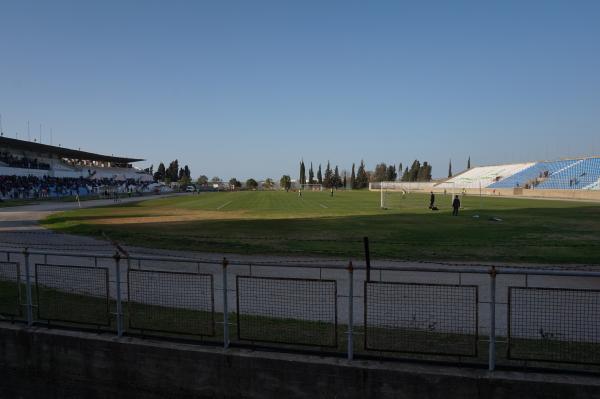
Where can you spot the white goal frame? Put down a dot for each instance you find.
(391, 186)
(311, 187)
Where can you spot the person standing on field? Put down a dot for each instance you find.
(455, 206)
(431, 200)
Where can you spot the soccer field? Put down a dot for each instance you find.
(282, 223)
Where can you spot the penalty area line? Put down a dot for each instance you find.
(224, 205)
(324, 206)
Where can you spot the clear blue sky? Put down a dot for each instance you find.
(248, 88)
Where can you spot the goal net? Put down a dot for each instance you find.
(392, 194)
(312, 187)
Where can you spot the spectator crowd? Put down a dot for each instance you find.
(31, 187)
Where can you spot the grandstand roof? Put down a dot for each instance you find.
(62, 152)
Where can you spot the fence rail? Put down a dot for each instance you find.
(525, 317)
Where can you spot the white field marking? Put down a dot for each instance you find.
(324, 206)
(224, 205)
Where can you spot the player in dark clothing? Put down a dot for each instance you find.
(455, 206)
(431, 200)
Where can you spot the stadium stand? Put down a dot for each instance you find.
(536, 172)
(34, 170)
(566, 174)
(582, 174)
(484, 176)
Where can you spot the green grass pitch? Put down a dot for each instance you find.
(282, 223)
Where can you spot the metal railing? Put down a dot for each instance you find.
(472, 315)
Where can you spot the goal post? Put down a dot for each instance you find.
(389, 192)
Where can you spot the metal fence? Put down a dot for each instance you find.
(10, 290)
(420, 318)
(554, 324)
(154, 306)
(479, 315)
(72, 294)
(287, 310)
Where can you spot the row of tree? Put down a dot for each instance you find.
(360, 178)
(331, 177)
(171, 174)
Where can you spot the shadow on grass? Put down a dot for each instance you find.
(537, 235)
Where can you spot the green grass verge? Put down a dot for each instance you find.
(537, 231)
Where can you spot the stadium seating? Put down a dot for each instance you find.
(571, 174)
(582, 174)
(538, 171)
(483, 176)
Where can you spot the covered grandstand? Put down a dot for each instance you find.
(34, 170)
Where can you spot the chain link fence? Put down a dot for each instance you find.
(421, 318)
(10, 290)
(171, 302)
(72, 294)
(287, 310)
(554, 324)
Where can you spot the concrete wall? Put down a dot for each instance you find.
(581, 195)
(41, 363)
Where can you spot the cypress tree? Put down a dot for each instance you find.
(353, 178)
(337, 180)
(391, 173)
(160, 172)
(380, 173)
(319, 175)
(414, 171)
(311, 175)
(406, 175)
(328, 178)
(400, 171)
(469, 163)
(450, 169)
(302, 176)
(172, 172)
(424, 172)
(362, 179)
